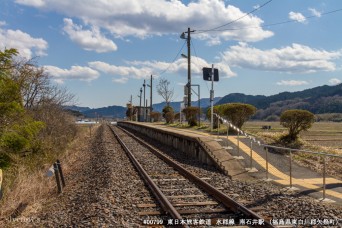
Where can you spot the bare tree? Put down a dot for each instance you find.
(36, 87)
(164, 90)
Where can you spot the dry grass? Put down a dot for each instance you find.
(322, 136)
(26, 184)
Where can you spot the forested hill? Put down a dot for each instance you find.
(110, 111)
(204, 102)
(322, 99)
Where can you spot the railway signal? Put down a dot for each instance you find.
(211, 74)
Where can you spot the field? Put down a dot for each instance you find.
(322, 134)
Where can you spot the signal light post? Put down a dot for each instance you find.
(211, 74)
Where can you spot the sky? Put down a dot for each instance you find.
(102, 50)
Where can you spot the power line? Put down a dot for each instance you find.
(193, 46)
(162, 72)
(277, 23)
(237, 19)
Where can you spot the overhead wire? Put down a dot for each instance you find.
(193, 46)
(276, 23)
(166, 69)
(235, 20)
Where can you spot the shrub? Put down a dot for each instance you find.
(169, 117)
(237, 113)
(296, 121)
(215, 119)
(155, 116)
(191, 115)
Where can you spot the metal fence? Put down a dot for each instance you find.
(253, 143)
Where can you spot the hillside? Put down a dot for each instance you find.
(322, 99)
(205, 102)
(110, 111)
(76, 108)
(319, 100)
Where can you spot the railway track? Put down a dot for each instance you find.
(185, 199)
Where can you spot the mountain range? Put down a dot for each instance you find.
(318, 100)
(322, 99)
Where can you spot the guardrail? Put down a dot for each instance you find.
(266, 147)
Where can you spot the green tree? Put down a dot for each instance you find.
(296, 121)
(6, 60)
(191, 115)
(17, 129)
(11, 109)
(237, 113)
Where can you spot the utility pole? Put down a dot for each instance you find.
(144, 85)
(146, 110)
(131, 107)
(212, 98)
(199, 102)
(189, 62)
(151, 108)
(150, 85)
(139, 116)
(189, 67)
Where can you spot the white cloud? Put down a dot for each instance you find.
(334, 81)
(296, 58)
(120, 80)
(292, 83)
(75, 72)
(315, 12)
(180, 66)
(23, 42)
(35, 3)
(126, 71)
(90, 40)
(158, 17)
(297, 17)
(143, 69)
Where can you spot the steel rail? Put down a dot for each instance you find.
(217, 194)
(165, 203)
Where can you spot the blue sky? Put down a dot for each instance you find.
(103, 50)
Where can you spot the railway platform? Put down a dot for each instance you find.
(304, 180)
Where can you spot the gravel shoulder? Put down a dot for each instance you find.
(101, 189)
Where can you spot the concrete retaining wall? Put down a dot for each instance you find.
(203, 148)
(191, 146)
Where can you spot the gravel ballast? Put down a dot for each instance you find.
(105, 190)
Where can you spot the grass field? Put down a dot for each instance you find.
(326, 134)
